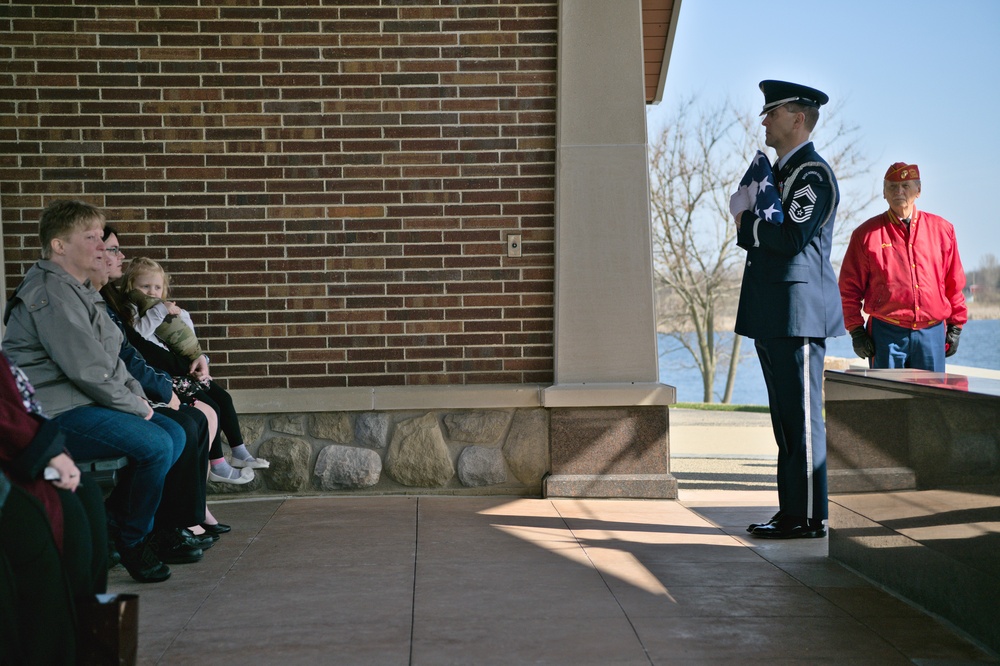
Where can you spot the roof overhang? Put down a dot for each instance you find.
(659, 23)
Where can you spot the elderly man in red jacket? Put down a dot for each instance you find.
(902, 267)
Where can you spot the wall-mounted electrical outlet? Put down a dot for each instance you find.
(513, 245)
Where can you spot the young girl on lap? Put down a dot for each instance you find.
(165, 324)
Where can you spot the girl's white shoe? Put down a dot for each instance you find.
(246, 476)
(252, 463)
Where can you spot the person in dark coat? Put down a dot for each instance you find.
(790, 303)
(52, 531)
(183, 503)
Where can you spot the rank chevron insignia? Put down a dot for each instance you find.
(803, 202)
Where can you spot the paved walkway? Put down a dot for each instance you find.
(491, 580)
(703, 433)
(716, 450)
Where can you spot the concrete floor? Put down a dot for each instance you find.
(493, 580)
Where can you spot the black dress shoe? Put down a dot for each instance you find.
(790, 527)
(142, 563)
(172, 547)
(203, 541)
(216, 529)
(773, 520)
(114, 557)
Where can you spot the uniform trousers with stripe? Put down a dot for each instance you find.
(793, 374)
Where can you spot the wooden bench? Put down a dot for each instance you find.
(914, 474)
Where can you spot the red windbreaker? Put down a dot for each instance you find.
(906, 276)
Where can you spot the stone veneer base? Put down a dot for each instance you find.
(595, 440)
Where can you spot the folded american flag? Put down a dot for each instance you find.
(758, 186)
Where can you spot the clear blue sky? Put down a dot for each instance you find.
(920, 79)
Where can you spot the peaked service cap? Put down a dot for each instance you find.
(777, 93)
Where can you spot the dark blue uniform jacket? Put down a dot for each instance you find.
(789, 285)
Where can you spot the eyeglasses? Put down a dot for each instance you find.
(113, 250)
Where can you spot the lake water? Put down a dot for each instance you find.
(979, 347)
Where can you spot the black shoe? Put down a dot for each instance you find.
(773, 520)
(142, 563)
(203, 541)
(790, 527)
(114, 536)
(172, 547)
(216, 529)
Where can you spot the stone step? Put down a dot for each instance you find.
(939, 549)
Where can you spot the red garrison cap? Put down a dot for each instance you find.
(901, 171)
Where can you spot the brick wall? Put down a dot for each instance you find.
(329, 182)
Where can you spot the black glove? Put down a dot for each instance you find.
(951, 339)
(864, 346)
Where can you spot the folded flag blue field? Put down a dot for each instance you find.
(758, 186)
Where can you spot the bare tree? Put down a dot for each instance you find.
(696, 163)
(984, 281)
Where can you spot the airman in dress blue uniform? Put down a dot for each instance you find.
(790, 303)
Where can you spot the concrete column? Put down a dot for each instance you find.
(609, 433)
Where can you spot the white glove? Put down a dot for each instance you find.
(740, 201)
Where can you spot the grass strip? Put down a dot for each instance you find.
(722, 407)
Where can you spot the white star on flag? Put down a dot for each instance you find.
(758, 193)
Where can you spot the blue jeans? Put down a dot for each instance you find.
(151, 448)
(898, 347)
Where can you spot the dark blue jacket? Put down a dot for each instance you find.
(789, 285)
(155, 383)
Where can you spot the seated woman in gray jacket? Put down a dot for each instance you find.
(59, 333)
